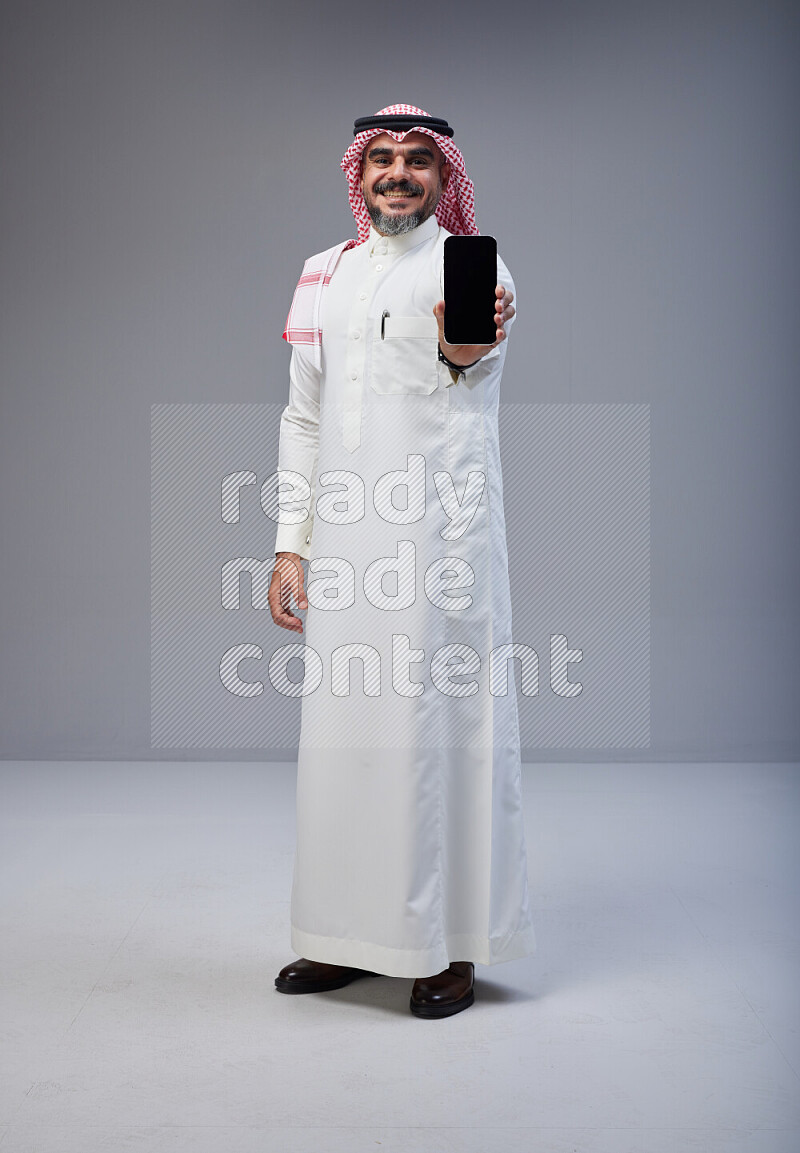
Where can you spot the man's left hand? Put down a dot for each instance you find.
(468, 353)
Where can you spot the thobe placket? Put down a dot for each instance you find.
(357, 337)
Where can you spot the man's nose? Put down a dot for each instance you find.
(399, 169)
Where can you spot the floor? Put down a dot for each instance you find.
(144, 915)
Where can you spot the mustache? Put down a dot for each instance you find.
(398, 186)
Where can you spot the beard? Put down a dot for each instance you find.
(395, 225)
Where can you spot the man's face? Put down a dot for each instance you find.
(402, 181)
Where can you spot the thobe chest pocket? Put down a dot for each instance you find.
(404, 355)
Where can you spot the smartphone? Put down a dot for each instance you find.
(470, 280)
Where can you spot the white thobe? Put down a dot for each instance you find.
(410, 849)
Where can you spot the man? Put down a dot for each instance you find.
(410, 857)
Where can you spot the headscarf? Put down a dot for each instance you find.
(456, 208)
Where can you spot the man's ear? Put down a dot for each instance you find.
(446, 172)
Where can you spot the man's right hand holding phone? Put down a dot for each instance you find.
(465, 354)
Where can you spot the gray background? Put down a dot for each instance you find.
(166, 167)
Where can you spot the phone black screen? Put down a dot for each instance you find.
(470, 279)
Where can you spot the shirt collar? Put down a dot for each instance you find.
(396, 245)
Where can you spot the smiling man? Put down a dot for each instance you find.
(410, 855)
(402, 181)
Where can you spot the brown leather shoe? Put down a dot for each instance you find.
(444, 993)
(304, 976)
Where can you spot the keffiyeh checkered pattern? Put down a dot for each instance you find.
(456, 208)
